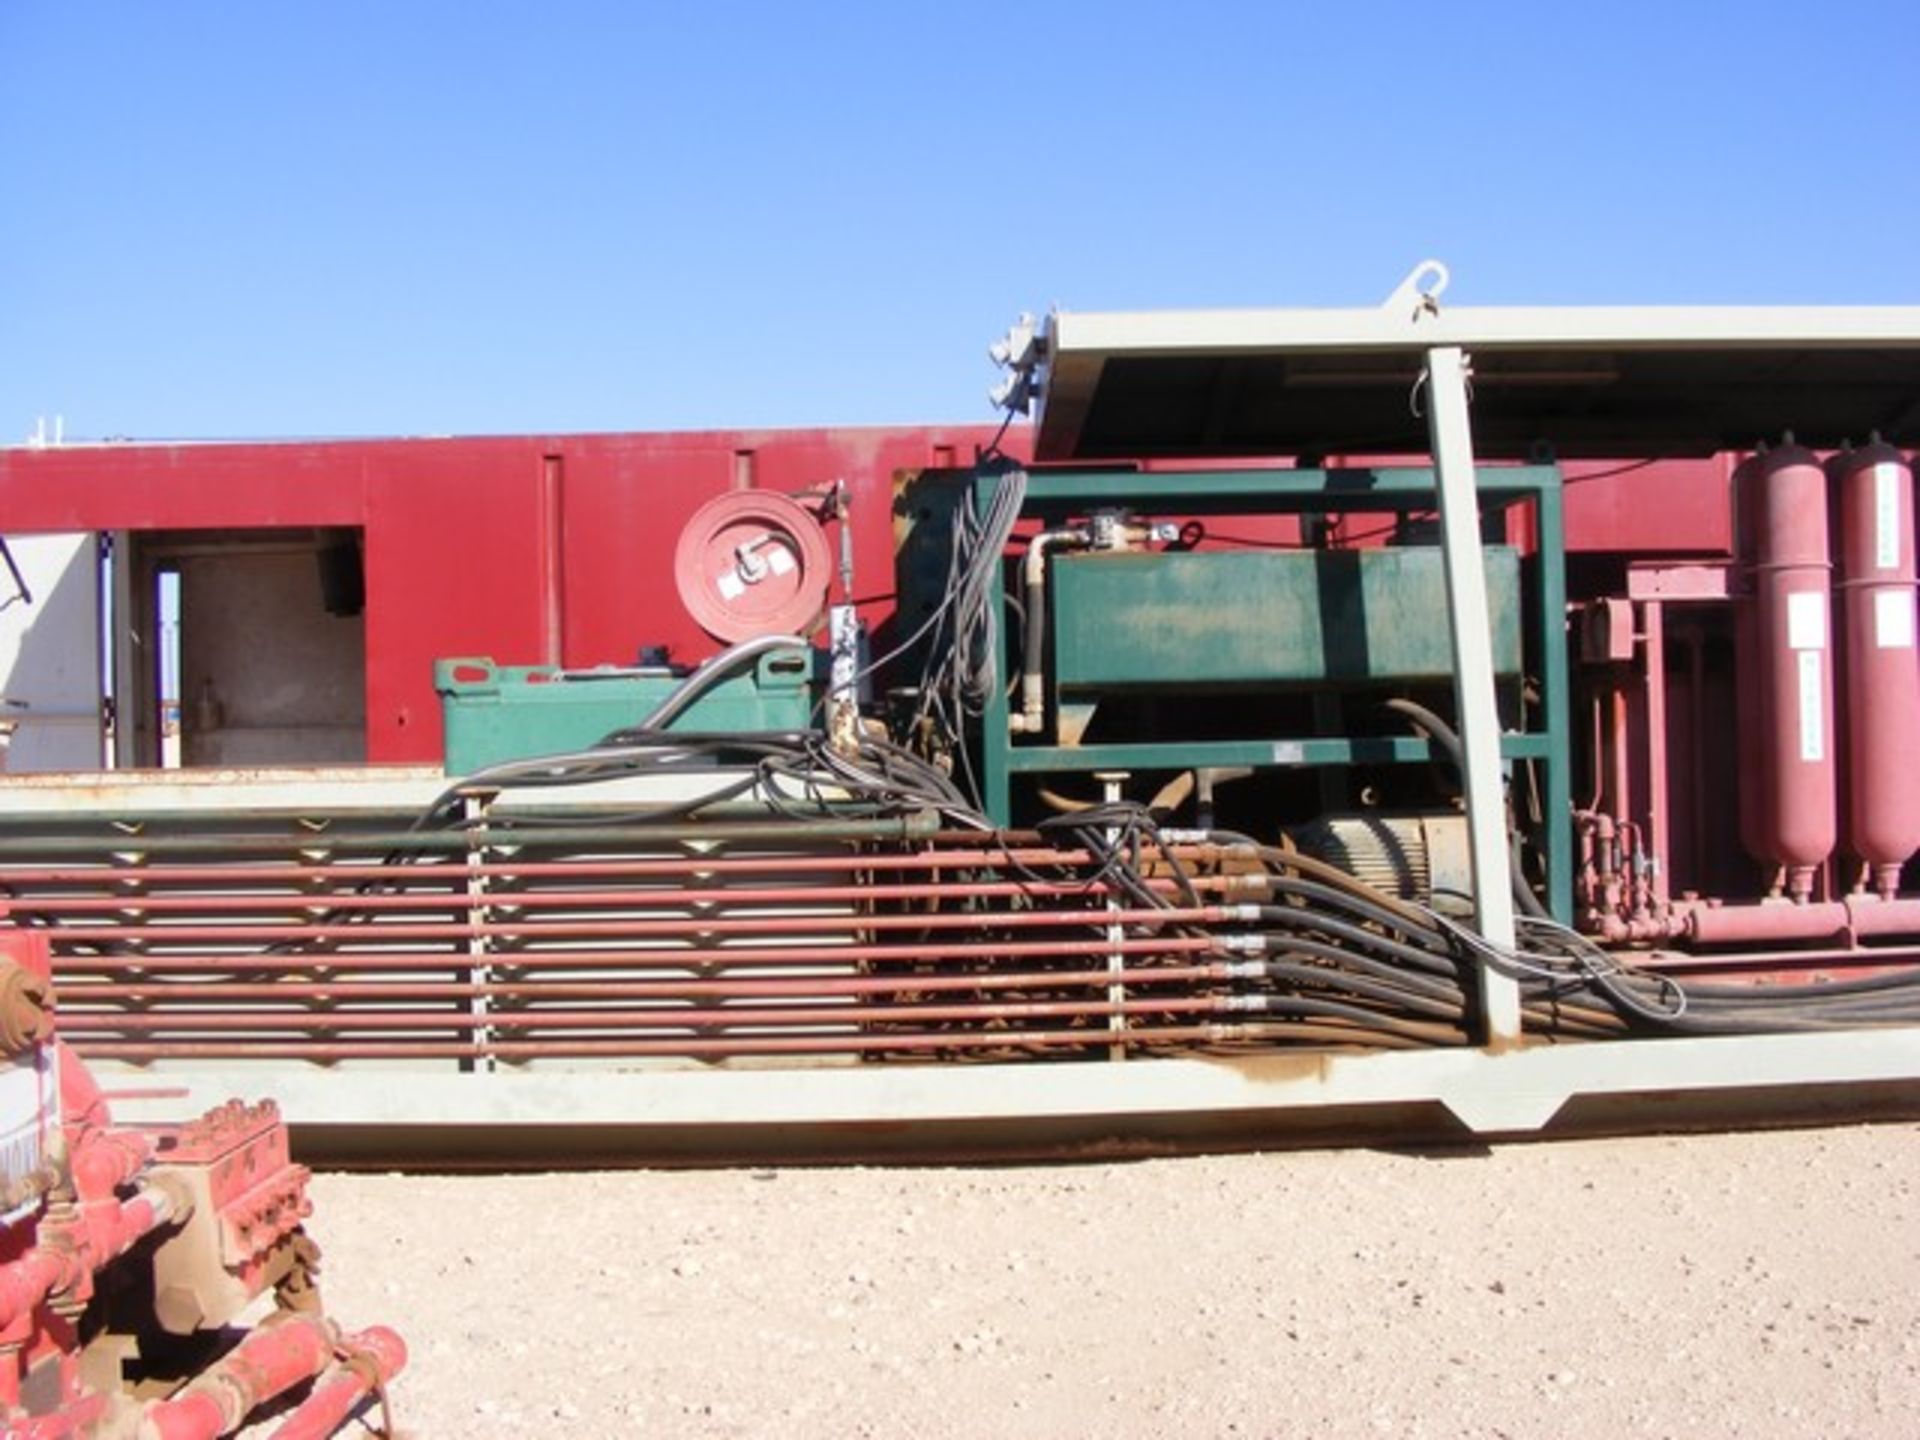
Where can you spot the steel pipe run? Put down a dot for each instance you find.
(497, 836)
(660, 1018)
(271, 1360)
(1835, 922)
(672, 989)
(685, 956)
(51, 907)
(371, 1360)
(714, 925)
(68, 1255)
(357, 874)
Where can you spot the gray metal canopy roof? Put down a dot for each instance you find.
(1585, 381)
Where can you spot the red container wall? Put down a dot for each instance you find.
(487, 546)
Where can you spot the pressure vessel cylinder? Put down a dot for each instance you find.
(1792, 576)
(1880, 700)
(1750, 735)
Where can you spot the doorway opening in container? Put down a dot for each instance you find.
(241, 649)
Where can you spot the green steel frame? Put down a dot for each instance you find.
(1059, 495)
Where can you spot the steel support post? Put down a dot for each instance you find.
(1551, 544)
(1475, 701)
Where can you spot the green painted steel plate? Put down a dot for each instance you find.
(1248, 618)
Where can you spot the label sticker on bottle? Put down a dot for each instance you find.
(1893, 619)
(1886, 516)
(1813, 737)
(1807, 620)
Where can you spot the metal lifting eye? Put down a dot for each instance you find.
(1419, 294)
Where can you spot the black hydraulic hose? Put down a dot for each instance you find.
(1454, 1008)
(711, 672)
(1443, 735)
(1365, 909)
(1819, 990)
(1360, 1014)
(1425, 982)
(1292, 919)
(1408, 917)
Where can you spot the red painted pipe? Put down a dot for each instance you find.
(110, 1228)
(1881, 698)
(706, 1047)
(677, 926)
(1777, 924)
(26, 1282)
(444, 901)
(270, 1361)
(1653, 624)
(683, 956)
(658, 1018)
(81, 993)
(1773, 962)
(356, 874)
(1872, 919)
(378, 1355)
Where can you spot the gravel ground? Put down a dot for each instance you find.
(1761, 1284)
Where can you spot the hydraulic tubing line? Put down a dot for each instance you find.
(711, 672)
(558, 899)
(77, 993)
(684, 956)
(656, 1018)
(494, 835)
(1414, 956)
(355, 873)
(710, 925)
(1442, 734)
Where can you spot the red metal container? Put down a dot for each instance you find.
(1874, 558)
(1791, 575)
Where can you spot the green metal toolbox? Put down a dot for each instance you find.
(495, 712)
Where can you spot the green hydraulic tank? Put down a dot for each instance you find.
(1150, 620)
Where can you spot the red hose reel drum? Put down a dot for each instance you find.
(751, 563)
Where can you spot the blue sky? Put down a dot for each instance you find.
(407, 218)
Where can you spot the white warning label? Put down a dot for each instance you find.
(1886, 516)
(1807, 620)
(1893, 619)
(1813, 728)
